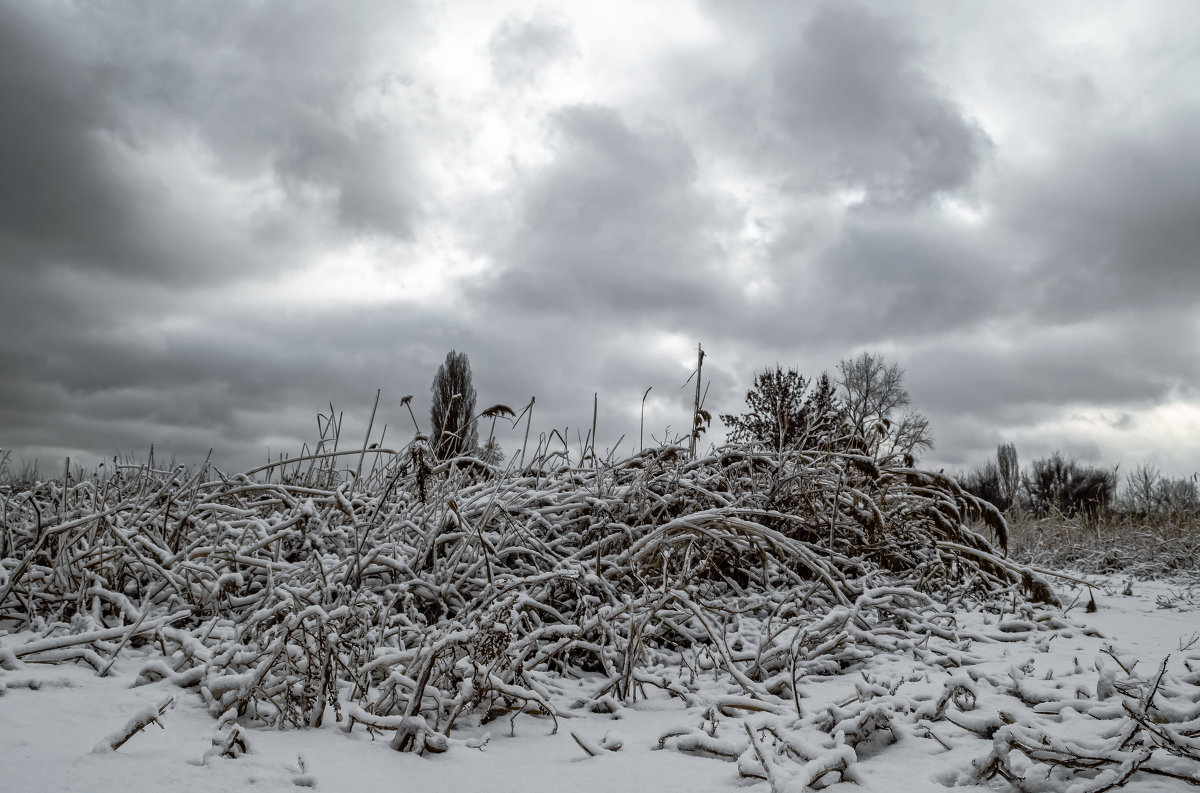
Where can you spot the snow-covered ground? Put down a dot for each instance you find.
(56, 721)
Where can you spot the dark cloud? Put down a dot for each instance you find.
(615, 225)
(1019, 382)
(236, 381)
(1018, 372)
(1112, 223)
(60, 198)
(521, 49)
(882, 278)
(280, 91)
(839, 99)
(162, 161)
(109, 108)
(1096, 310)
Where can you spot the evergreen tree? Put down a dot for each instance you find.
(824, 414)
(784, 415)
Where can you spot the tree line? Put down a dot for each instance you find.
(1061, 484)
(865, 409)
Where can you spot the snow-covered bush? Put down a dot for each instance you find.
(424, 595)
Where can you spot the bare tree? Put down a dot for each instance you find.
(1062, 483)
(998, 481)
(1140, 486)
(1150, 494)
(453, 408)
(879, 409)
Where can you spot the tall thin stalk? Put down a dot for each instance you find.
(366, 442)
(696, 403)
(642, 423)
(528, 424)
(595, 409)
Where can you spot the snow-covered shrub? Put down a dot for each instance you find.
(420, 594)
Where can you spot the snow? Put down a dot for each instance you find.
(1038, 680)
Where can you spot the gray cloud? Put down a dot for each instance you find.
(273, 91)
(1006, 385)
(156, 155)
(887, 278)
(1096, 309)
(521, 49)
(60, 198)
(236, 381)
(1112, 222)
(1020, 373)
(839, 99)
(108, 107)
(615, 224)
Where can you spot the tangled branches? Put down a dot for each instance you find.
(1147, 727)
(420, 596)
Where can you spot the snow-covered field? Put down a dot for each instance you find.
(914, 725)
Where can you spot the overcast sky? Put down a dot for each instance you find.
(216, 218)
